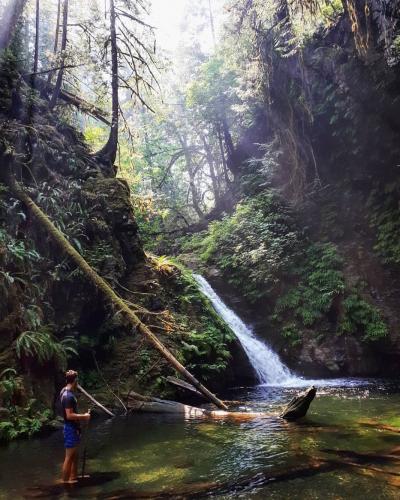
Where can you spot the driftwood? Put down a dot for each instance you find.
(299, 405)
(94, 401)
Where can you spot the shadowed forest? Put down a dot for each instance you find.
(200, 213)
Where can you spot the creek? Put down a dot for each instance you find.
(167, 452)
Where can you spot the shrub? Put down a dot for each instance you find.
(359, 315)
(255, 246)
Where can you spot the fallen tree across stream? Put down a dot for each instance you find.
(297, 408)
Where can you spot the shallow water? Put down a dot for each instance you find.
(154, 452)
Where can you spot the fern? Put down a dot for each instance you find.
(43, 346)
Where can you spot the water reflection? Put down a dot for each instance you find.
(152, 452)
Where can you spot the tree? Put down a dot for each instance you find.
(108, 152)
(56, 39)
(8, 22)
(57, 88)
(37, 31)
(131, 61)
(210, 95)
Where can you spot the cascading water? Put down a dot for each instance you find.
(266, 363)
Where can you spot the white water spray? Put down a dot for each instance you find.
(266, 363)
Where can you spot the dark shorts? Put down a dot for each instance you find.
(72, 436)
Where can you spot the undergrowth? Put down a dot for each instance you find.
(264, 255)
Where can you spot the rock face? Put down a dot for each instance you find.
(350, 202)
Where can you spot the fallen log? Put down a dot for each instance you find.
(58, 490)
(147, 404)
(200, 490)
(43, 86)
(363, 458)
(299, 405)
(183, 385)
(379, 426)
(99, 283)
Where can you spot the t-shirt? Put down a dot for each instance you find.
(69, 401)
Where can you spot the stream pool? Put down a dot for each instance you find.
(155, 452)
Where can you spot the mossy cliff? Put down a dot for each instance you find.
(50, 316)
(311, 249)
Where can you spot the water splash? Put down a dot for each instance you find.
(266, 363)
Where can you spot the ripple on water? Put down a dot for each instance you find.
(154, 451)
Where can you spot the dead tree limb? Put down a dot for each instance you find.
(94, 401)
(72, 99)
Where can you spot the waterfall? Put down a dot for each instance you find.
(266, 363)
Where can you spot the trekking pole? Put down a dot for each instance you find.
(84, 447)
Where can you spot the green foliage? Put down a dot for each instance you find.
(42, 346)
(291, 332)
(255, 246)
(205, 336)
(20, 421)
(385, 218)
(10, 383)
(17, 249)
(205, 351)
(212, 92)
(359, 315)
(23, 421)
(320, 282)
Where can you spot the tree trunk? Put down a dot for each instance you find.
(37, 33)
(214, 177)
(230, 148)
(212, 23)
(223, 159)
(9, 20)
(56, 37)
(297, 408)
(107, 291)
(109, 152)
(146, 404)
(189, 168)
(57, 88)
